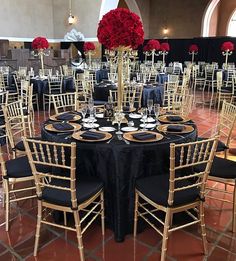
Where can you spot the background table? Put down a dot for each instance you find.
(118, 165)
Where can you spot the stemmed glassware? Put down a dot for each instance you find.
(144, 117)
(84, 109)
(119, 117)
(92, 116)
(156, 110)
(149, 106)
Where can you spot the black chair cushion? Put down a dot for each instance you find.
(221, 168)
(84, 190)
(156, 188)
(18, 168)
(220, 147)
(20, 145)
(98, 102)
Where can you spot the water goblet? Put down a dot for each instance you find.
(156, 110)
(84, 110)
(119, 117)
(144, 117)
(149, 106)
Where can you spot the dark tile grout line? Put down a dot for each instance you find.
(11, 250)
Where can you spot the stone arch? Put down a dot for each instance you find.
(207, 17)
(233, 15)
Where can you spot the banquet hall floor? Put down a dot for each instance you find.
(184, 245)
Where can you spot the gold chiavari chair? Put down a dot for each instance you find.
(127, 100)
(88, 89)
(54, 87)
(182, 190)
(182, 104)
(18, 124)
(45, 72)
(223, 173)
(16, 171)
(3, 134)
(224, 127)
(61, 191)
(65, 102)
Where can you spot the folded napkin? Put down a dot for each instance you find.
(174, 118)
(92, 135)
(176, 128)
(144, 136)
(65, 116)
(62, 126)
(126, 108)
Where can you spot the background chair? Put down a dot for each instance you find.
(182, 190)
(59, 190)
(65, 102)
(16, 171)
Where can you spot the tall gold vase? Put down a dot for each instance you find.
(120, 56)
(41, 60)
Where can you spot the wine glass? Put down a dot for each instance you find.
(92, 116)
(90, 103)
(156, 110)
(149, 106)
(144, 117)
(84, 110)
(119, 117)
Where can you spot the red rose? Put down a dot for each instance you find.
(88, 46)
(193, 48)
(40, 43)
(227, 46)
(120, 27)
(165, 47)
(152, 45)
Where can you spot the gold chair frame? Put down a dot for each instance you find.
(191, 155)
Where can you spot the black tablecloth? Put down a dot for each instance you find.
(118, 165)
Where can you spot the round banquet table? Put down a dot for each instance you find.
(118, 165)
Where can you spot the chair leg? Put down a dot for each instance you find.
(65, 219)
(37, 235)
(102, 214)
(203, 227)
(234, 210)
(165, 235)
(135, 214)
(79, 234)
(7, 203)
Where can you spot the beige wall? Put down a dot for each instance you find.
(214, 21)
(144, 7)
(26, 18)
(86, 13)
(182, 17)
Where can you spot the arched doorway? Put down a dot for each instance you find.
(232, 25)
(207, 17)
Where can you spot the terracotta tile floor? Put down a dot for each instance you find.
(184, 245)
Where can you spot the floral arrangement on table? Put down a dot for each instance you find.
(89, 50)
(40, 43)
(193, 50)
(227, 49)
(40, 48)
(164, 50)
(120, 30)
(89, 46)
(150, 49)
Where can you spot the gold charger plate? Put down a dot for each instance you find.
(129, 136)
(77, 136)
(50, 127)
(163, 128)
(163, 118)
(54, 117)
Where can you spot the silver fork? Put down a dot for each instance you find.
(119, 136)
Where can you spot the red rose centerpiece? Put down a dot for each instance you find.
(227, 49)
(164, 50)
(89, 50)
(193, 50)
(40, 48)
(150, 49)
(120, 30)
